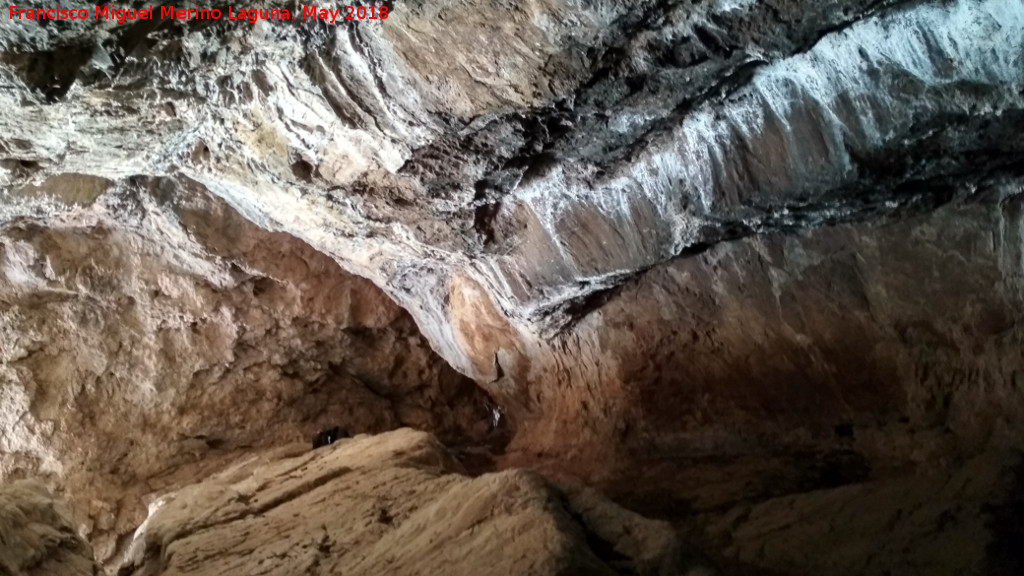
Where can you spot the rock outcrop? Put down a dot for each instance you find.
(899, 342)
(38, 536)
(393, 504)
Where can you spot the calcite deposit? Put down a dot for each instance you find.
(753, 267)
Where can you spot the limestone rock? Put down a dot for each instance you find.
(142, 349)
(937, 524)
(396, 503)
(899, 343)
(38, 536)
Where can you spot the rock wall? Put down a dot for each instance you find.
(617, 135)
(900, 341)
(152, 333)
(38, 536)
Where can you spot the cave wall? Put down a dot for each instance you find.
(607, 138)
(898, 342)
(152, 333)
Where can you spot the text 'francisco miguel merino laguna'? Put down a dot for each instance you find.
(251, 15)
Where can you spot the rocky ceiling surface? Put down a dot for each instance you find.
(748, 266)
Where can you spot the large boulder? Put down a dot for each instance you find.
(38, 536)
(396, 503)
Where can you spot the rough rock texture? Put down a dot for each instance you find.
(850, 375)
(148, 336)
(38, 536)
(900, 341)
(700, 254)
(930, 524)
(395, 504)
(570, 148)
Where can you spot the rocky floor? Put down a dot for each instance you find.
(397, 504)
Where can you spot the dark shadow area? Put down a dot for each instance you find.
(51, 72)
(1006, 524)
(479, 455)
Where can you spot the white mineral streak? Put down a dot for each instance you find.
(734, 5)
(693, 170)
(926, 48)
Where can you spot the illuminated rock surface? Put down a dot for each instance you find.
(395, 504)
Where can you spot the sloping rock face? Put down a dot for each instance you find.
(813, 403)
(395, 504)
(938, 523)
(699, 254)
(900, 341)
(38, 536)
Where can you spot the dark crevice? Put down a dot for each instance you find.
(1005, 522)
(604, 550)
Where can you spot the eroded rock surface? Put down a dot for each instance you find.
(38, 537)
(945, 522)
(149, 336)
(548, 151)
(397, 504)
(900, 341)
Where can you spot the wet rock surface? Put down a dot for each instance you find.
(705, 256)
